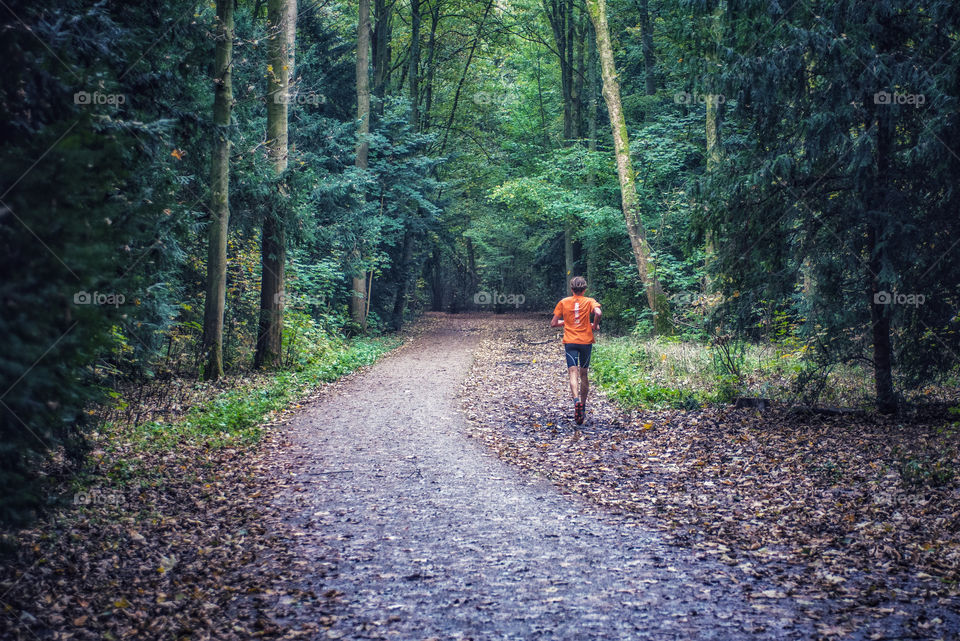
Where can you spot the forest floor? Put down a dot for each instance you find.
(445, 493)
(853, 518)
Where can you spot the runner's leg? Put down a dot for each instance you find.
(574, 381)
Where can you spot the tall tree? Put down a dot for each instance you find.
(569, 33)
(630, 202)
(382, 33)
(712, 126)
(430, 64)
(358, 300)
(281, 19)
(219, 194)
(649, 53)
(409, 237)
(414, 64)
(841, 162)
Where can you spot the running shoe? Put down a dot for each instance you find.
(578, 413)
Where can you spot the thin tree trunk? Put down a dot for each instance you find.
(359, 293)
(579, 71)
(220, 195)
(649, 55)
(431, 50)
(414, 72)
(592, 81)
(281, 19)
(463, 76)
(382, 27)
(592, 108)
(879, 308)
(646, 267)
(472, 279)
(561, 16)
(400, 302)
(713, 144)
(436, 281)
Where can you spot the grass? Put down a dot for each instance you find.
(236, 416)
(664, 372)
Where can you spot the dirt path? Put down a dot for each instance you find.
(419, 532)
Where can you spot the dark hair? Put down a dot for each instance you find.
(578, 284)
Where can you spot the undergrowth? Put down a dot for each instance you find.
(683, 374)
(235, 417)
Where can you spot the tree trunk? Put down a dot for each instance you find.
(649, 55)
(646, 266)
(880, 308)
(219, 195)
(431, 69)
(579, 71)
(593, 89)
(561, 19)
(359, 294)
(281, 19)
(880, 324)
(569, 43)
(414, 72)
(382, 27)
(592, 106)
(400, 302)
(713, 144)
(713, 161)
(436, 281)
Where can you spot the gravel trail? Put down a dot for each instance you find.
(427, 534)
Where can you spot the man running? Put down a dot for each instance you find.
(573, 313)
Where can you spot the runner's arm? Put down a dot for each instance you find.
(556, 321)
(596, 318)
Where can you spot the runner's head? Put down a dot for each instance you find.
(578, 284)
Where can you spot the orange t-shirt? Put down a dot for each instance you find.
(575, 312)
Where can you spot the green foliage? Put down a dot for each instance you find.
(925, 470)
(831, 190)
(620, 368)
(237, 415)
(85, 242)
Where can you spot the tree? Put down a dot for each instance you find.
(358, 300)
(646, 266)
(649, 53)
(568, 37)
(281, 19)
(841, 163)
(219, 195)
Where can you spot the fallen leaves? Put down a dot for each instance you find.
(824, 506)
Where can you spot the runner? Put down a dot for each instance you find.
(573, 313)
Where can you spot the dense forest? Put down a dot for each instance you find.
(199, 190)
(213, 214)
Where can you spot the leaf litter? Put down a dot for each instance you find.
(836, 510)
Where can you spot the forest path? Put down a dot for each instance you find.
(427, 534)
